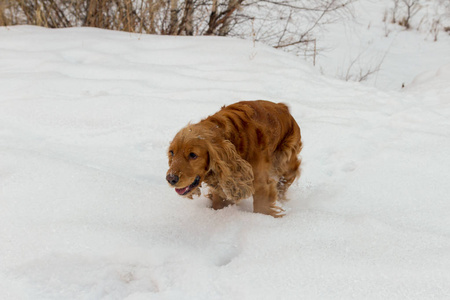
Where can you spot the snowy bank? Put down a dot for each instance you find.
(86, 117)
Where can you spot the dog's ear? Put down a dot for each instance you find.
(234, 174)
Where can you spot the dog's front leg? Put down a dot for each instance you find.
(219, 200)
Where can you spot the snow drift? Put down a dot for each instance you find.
(85, 120)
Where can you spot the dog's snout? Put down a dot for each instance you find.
(172, 179)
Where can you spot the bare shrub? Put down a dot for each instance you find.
(287, 24)
(438, 19)
(293, 25)
(362, 67)
(394, 11)
(435, 28)
(411, 7)
(430, 17)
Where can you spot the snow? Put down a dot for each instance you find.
(86, 116)
(363, 42)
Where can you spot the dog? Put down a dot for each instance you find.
(249, 148)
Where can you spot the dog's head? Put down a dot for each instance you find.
(197, 152)
(188, 161)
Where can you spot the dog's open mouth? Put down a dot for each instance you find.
(189, 188)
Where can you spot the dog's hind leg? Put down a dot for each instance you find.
(265, 196)
(288, 173)
(286, 165)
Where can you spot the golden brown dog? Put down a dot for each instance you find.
(247, 148)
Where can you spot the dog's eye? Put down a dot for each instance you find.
(171, 153)
(192, 155)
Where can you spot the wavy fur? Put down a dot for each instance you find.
(249, 148)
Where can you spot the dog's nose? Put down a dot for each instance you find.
(172, 179)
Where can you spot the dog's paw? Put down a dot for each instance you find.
(196, 192)
(277, 211)
(273, 210)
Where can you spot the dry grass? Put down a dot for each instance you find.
(146, 16)
(174, 17)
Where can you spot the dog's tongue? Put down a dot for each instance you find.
(182, 191)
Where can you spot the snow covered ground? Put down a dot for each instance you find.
(86, 117)
(364, 43)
